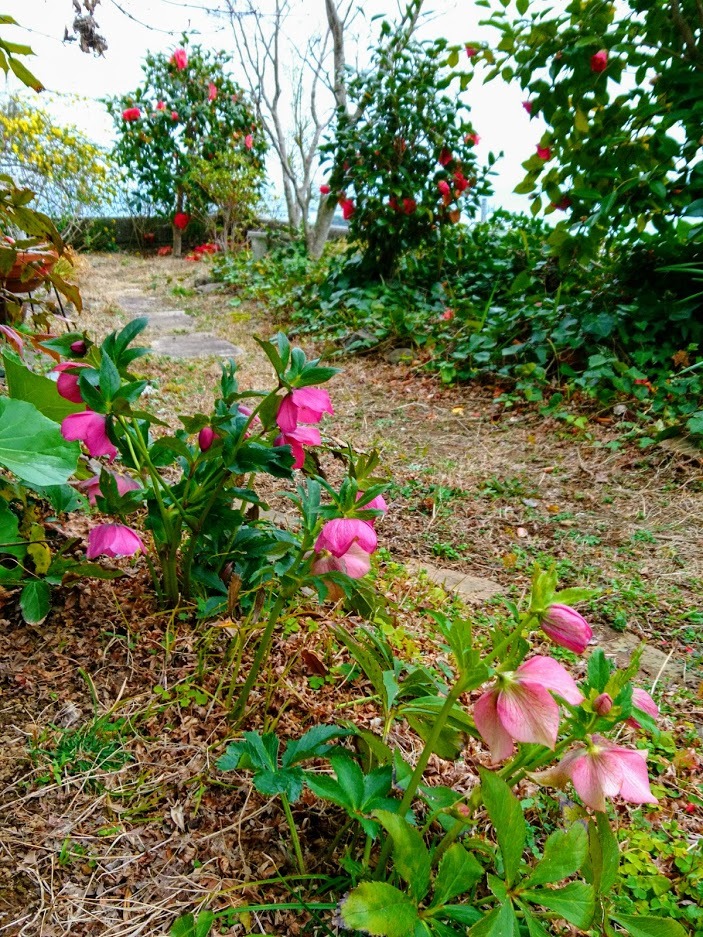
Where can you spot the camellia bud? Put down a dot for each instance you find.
(602, 704)
(79, 347)
(206, 437)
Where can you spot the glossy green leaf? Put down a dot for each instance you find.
(32, 447)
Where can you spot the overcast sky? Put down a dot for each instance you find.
(156, 25)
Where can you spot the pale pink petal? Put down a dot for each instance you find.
(339, 534)
(113, 540)
(596, 775)
(643, 701)
(375, 504)
(548, 673)
(558, 775)
(635, 780)
(305, 435)
(489, 725)
(355, 563)
(529, 714)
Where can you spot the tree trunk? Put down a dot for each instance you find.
(317, 235)
(177, 233)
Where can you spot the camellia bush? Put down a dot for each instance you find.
(620, 90)
(187, 109)
(408, 167)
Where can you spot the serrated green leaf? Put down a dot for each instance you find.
(381, 910)
(564, 854)
(501, 922)
(458, 872)
(648, 926)
(575, 902)
(411, 858)
(506, 816)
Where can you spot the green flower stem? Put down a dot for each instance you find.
(293, 833)
(260, 656)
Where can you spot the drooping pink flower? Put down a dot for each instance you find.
(206, 437)
(91, 486)
(249, 141)
(338, 536)
(602, 704)
(325, 189)
(131, 114)
(180, 59)
(528, 106)
(90, 428)
(643, 701)
(444, 188)
(375, 504)
(113, 540)
(181, 220)
(348, 208)
(296, 439)
(445, 156)
(67, 383)
(79, 347)
(303, 405)
(409, 206)
(355, 563)
(602, 770)
(160, 105)
(599, 61)
(471, 51)
(520, 707)
(12, 337)
(566, 627)
(211, 91)
(544, 152)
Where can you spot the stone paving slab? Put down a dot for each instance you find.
(194, 345)
(470, 588)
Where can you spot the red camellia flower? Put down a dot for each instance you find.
(348, 208)
(472, 138)
(180, 59)
(445, 156)
(164, 251)
(460, 181)
(181, 220)
(599, 61)
(249, 141)
(325, 189)
(160, 105)
(471, 51)
(447, 315)
(409, 206)
(211, 91)
(443, 187)
(131, 113)
(393, 203)
(174, 115)
(544, 152)
(528, 106)
(563, 204)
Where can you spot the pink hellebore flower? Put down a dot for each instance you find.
(180, 59)
(642, 700)
(296, 439)
(67, 384)
(249, 141)
(521, 708)
(566, 627)
(602, 704)
(339, 535)
(375, 504)
(602, 770)
(211, 91)
(544, 152)
(113, 540)
(599, 61)
(90, 428)
(79, 347)
(355, 563)
(303, 405)
(91, 486)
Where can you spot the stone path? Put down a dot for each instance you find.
(171, 331)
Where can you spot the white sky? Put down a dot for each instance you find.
(497, 113)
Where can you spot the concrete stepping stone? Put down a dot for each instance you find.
(470, 588)
(195, 345)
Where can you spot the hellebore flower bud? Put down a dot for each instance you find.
(566, 627)
(206, 437)
(602, 704)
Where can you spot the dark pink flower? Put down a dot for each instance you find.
(296, 439)
(303, 405)
(528, 106)
(67, 383)
(375, 504)
(520, 707)
(113, 540)
(91, 486)
(249, 141)
(563, 204)
(566, 627)
(599, 61)
(355, 563)
(445, 156)
(131, 113)
(471, 51)
(544, 152)
(206, 437)
(174, 115)
(211, 91)
(472, 138)
(409, 206)
(79, 347)
(602, 770)
(180, 59)
(643, 701)
(325, 189)
(339, 535)
(444, 188)
(460, 181)
(91, 429)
